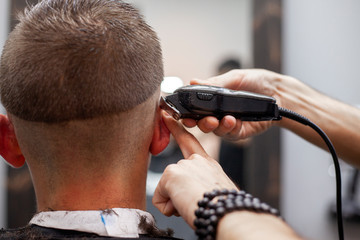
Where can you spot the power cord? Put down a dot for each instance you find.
(301, 119)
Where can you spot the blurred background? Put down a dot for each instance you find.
(313, 40)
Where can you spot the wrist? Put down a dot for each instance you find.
(218, 203)
(249, 225)
(292, 94)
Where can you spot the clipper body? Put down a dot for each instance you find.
(198, 101)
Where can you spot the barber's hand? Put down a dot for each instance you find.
(252, 80)
(183, 184)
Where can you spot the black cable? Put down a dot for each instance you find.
(301, 119)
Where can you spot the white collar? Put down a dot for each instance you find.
(115, 222)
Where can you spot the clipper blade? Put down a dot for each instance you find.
(169, 108)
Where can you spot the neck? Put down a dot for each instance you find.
(91, 188)
(90, 164)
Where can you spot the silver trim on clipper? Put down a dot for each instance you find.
(169, 108)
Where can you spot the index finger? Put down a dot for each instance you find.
(188, 144)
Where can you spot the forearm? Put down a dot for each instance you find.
(339, 121)
(252, 226)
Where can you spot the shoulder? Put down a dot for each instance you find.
(35, 232)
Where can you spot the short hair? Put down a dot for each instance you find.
(79, 59)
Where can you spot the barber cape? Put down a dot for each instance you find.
(116, 222)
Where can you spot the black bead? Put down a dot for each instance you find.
(213, 220)
(208, 195)
(199, 212)
(220, 204)
(230, 206)
(224, 191)
(203, 202)
(239, 197)
(221, 199)
(227, 201)
(215, 192)
(239, 204)
(207, 213)
(197, 223)
(256, 206)
(231, 196)
(220, 211)
(209, 237)
(210, 229)
(265, 207)
(201, 223)
(247, 203)
(212, 212)
(212, 205)
(248, 195)
(207, 222)
(274, 211)
(233, 191)
(201, 232)
(241, 193)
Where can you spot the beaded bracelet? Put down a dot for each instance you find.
(210, 212)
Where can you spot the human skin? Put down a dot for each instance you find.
(338, 120)
(183, 184)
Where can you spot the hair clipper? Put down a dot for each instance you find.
(198, 101)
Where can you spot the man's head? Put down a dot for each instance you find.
(79, 59)
(80, 82)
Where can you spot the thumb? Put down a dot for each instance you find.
(197, 81)
(232, 80)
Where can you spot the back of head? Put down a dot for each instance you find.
(79, 59)
(80, 78)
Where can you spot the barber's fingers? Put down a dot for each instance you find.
(226, 125)
(208, 124)
(188, 122)
(235, 133)
(188, 144)
(162, 201)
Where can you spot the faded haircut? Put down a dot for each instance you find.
(79, 59)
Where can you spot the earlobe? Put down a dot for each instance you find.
(9, 146)
(161, 137)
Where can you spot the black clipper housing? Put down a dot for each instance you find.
(198, 101)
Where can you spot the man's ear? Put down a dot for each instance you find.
(161, 136)
(9, 147)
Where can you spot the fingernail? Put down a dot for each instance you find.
(227, 124)
(165, 113)
(209, 125)
(195, 80)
